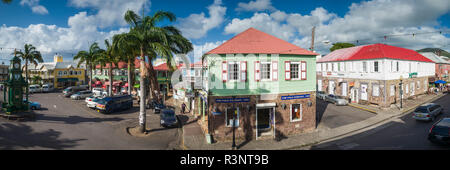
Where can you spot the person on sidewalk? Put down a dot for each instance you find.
(183, 108)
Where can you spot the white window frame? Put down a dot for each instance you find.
(299, 71)
(261, 70)
(301, 113)
(376, 66)
(364, 67)
(392, 90)
(375, 91)
(237, 118)
(238, 71)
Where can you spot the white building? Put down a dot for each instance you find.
(372, 73)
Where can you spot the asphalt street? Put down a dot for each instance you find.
(67, 124)
(404, 133)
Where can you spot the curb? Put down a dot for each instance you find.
(362, 108)
(402, 113)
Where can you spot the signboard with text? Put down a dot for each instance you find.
(303, 96)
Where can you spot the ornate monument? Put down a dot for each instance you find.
(14, 89)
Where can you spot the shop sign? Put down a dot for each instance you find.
(413, 75)
(303, 96)
(231, 100)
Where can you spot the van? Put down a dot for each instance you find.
(34, 89)
(47, 88)
(72, 90)
(115, 103)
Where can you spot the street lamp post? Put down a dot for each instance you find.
(233, 146)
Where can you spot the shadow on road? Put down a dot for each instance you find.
(321, 107)
(21, 136)
(74, 119)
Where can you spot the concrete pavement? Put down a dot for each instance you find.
(198, 142)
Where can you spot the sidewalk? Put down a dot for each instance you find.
(194, 139)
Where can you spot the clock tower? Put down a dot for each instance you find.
(14, 89)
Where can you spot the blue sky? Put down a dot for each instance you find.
(67, 26)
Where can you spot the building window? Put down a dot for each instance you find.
(365, 67)
(59, 73)
(296, 112)
(265, 70)
(375, 66)
(233, 71)
(398, 67)
(295, 71)
(418, 84)
(376, 90)
(392, 90)
(229, 117)
(65, 72)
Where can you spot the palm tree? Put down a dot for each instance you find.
(36, 79)
(88, 57)
(127, 52)
(154, 41)
(30, 54)
(7, 1)
(111, 57)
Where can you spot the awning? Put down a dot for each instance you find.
(116, 83)
(126, 85)
(440, 82)
(98, 83)
(137, 86)
(67, 79)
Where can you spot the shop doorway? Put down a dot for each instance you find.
(354, 95)
(265, 121)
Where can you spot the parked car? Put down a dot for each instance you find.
(91, 101)
(158, 108)
(47, 88)
(72, 90)
(115, 103)
(151, 105)
(321, 95)
(99, 92)
(35, 89)
(81, 95)
(427, 112)
(440, 132)
(33, 105)
(168, 118)
(338, 100)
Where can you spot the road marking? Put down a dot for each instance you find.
(398, 120)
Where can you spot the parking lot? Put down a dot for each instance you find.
(63, 123)
(331, 116)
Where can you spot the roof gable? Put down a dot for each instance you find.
(253, 41)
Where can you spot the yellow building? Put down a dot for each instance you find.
(60, 73)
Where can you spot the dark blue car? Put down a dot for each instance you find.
(168, 118)
(115, 103)
(440, 132)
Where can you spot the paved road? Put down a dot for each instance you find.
(332, 116)
(403, 133)
(67, 124)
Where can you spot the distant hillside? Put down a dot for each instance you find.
(434, 50)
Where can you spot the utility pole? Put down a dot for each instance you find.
(312, 38)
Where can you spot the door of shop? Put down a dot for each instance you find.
(363, 91)
(354, 95)
(265, 120)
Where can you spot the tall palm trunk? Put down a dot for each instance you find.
(110, 70)
(142, 114)
(153, 81)
(26, 78)
(129, 76)
(90, 76)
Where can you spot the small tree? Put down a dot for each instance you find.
(337, 46)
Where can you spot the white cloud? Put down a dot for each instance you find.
(255, 6)
(366, 21)
(196, 26)
(35, 7)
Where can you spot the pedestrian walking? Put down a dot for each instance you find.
(183, 108)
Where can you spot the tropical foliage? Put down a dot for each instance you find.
(29, 55)
(89, 58)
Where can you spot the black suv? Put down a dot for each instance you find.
(115, 103)
(440, 131)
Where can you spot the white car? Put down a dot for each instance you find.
(47, 88)
(99, 92)
(35, 89)
(91, 102)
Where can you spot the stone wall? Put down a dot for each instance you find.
(247, 117)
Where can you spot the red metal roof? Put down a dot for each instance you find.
(374, 51)
(163, 67)
(123, 64)
(253, 41)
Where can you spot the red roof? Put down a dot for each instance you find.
(253, 41)
(374, 51)
(123, 64)
(163, 67)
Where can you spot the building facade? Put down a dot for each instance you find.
(265, 84)
(373, 74)
(442, 67)
(4, 73)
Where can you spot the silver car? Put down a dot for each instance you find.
(321, 95)
(338, 100)
(427, 112)
(91, 101)
(81, 95)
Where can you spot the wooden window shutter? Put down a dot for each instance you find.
(243, 71)
(275, 70)
(287, 67)
(303, 70)
(224, 71)
(257, 71)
